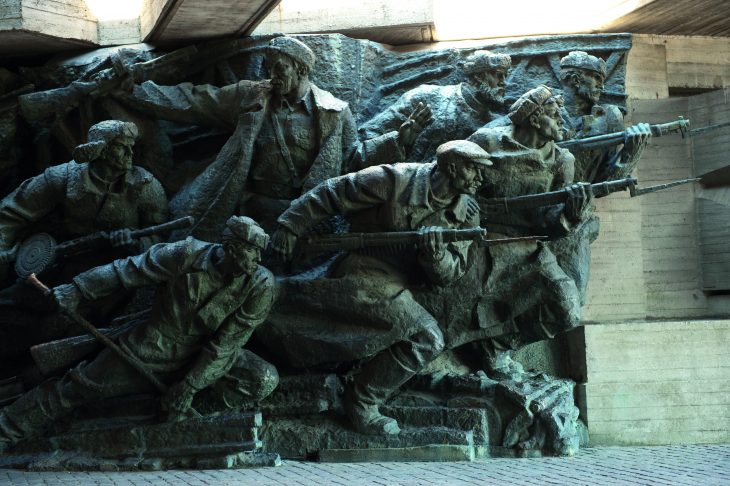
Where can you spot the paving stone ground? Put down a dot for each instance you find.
(670, 465)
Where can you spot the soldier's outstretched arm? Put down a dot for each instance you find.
(340, 195)
(161, 263)
(205, 105)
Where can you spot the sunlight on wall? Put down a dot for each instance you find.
(105, 10)
(473, 19)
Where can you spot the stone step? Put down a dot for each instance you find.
(307, 437)
(428, 453)
(72, 461)
(304, 394)
(474, 419)
(223, 434)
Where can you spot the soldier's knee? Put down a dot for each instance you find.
(430, 339)
(268, 380)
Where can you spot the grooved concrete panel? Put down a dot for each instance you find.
(383, 21)
(658, 382)
(187, 20)
(29, 27)
(671, 251)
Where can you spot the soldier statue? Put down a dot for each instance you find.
(99, 191)
(287, 135)
(457, 110)
(582, 76)
(209, 299)
(370, 289)
(541, 288)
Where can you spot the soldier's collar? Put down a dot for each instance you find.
(306, 101)
(421, 189)
(459, 210)
(471, 100)
(324, 100)
(92, 183)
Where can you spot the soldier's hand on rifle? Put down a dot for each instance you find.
(177, 401)
(121, 238)
(431, 242)
(283, 242)
(68, 296)
(580, 199)
(418, 119)
(8, 255)
(637, 136)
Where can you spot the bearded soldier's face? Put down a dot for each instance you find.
(591, 86)
(490, 86)
(284, 72)
(551, 123)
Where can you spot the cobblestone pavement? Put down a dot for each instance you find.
(671, 465)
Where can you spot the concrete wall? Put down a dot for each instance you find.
(65, 19)
(658, 383)
(651, 377)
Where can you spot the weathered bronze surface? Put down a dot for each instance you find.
(393, 316)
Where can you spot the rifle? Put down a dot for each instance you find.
(62, 354)
(599, 141)
(358, 241)
(130, 359)
(600, 189)
(40, 251)
(43, 108)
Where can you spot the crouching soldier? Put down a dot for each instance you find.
(210, 297)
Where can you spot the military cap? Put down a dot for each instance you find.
(293, 48)
(481, 61)
(243, 228)
(530, 102)
(103, 133)
(464, 149)
(583, 60)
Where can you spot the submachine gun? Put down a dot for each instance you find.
(40, 251)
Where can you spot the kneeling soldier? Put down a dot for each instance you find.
(210, 298)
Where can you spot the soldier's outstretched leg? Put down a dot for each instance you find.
(384, 375)
(35, 411)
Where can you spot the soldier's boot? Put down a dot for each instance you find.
(371, 387)
(379, 379)
(34, 412)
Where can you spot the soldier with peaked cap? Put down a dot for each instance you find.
(286, 136)
(457, 110)
(370, 288)
(583, 76)
(209, 299)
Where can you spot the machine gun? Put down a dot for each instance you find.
(43, 108)
(358, 241)
(599, 189)
(600, 141)
(40, 251)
